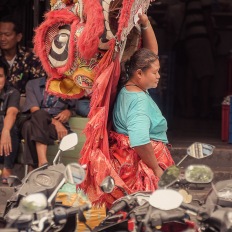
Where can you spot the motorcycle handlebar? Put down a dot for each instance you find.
(74, 210)
(158, 218)
(172, 217)
(119, 206)
(192, 208)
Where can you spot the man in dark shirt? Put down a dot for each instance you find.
(9, 107)
(22, 63)
(47, 122)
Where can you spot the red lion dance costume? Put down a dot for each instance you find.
(81, 44)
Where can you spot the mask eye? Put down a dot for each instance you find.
(58, 54)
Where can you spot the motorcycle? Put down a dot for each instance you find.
(35, 213)
(215, 215)
(211, 215)
(132, 212)
(45, 179)
(146, 211)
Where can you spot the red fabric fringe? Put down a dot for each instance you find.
(124, 17)
(100, 82)
(95, 152)
(94, 28)
(96, 128)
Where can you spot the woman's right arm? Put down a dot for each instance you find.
(146, 154)
(148, 34)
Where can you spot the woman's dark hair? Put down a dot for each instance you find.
(141, 59)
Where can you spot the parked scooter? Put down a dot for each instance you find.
(118, 217)
(45, 179)
(131, 212)
(146, 211)
(215, 215)
(35, 212)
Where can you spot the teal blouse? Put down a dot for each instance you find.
(138, 116)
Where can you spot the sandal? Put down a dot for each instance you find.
(5, 174)
(4, 180)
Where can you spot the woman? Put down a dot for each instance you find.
(136, 166)
(139, 149)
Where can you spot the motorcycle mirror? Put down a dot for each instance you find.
(198, 151)
(201, 174)
(169, 177)
(33, 203)
(165, 199)
(68, 142)
(107, 184)
(75, 173)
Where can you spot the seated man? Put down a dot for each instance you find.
(9, 108)
(47, 121)
(23, 65)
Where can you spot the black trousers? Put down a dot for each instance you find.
(37, 128)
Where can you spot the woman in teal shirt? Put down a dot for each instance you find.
(139, 149)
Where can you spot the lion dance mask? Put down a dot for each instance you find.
(81, 44)
(70, 43)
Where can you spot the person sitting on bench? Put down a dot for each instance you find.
(9, 108)
(47, 121)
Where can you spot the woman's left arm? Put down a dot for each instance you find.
(148, 34)
(146, 154)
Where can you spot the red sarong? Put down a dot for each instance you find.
(129, 166)
(126, 167)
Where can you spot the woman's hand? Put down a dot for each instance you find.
(146, 153)
(158, 171)
(148, 34)
(143, 20)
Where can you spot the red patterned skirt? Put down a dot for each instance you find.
(129, 166)
(126, 167)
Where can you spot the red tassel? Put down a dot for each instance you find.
(89, 39)
(124, 16)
